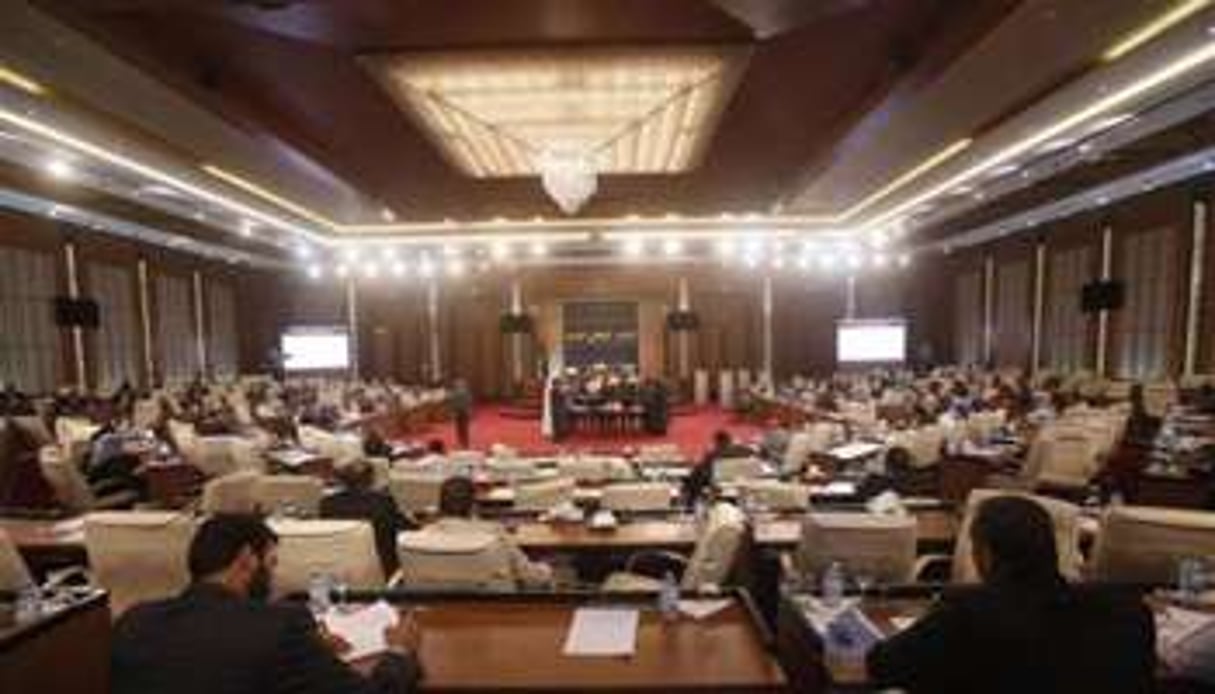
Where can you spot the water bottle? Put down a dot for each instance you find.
(1191, 579)
(833, 585)
(319, 599)
(668, 598)
(29, 604)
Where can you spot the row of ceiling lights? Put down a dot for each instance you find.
(1177, 13)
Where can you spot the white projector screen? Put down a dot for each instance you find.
(315, 349)
(871, 341)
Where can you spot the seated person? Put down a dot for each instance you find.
(700, 479)
(1025, 629)
(357, 500)
(221, 636)
(457, 497)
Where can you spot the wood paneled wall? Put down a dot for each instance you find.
(1151, 250)
(257, 291)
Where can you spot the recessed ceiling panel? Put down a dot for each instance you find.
(635, 111)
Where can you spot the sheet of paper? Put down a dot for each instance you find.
(1184, 641)
(902, 623)
(363, 628)
(69, 526)
(602, 631)
(701, 609)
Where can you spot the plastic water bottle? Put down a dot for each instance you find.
(833, 585)
(668, 598)
(319, 598)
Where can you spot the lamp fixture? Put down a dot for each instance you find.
(1179, 13)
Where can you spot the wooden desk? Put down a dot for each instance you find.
(65, 653)
(515, 644)
(47, 544)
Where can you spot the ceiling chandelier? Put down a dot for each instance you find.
(569, 176)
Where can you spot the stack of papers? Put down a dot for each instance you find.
(600, 631)
(363, 628)
(1184, 642)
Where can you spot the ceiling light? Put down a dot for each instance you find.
(539, 249)
(940, 157)
(804, 262)
(250, 187)
(499, 250)
(1110, 102)
(455, 267)
(388, 215)
(303, 251)
(399, 269)
(634, 247)
(672, 247)
(826, 261)
(246, 228)
(778, 262)
(1159, 25)
(60, 169)
(314, 271)
(450, 250)
(351, 255)
(16, 79)
(341, 270)
(726, 247)
(426, 268)
(854, 260)
(904, 259)
(371, 270)
(880, 260)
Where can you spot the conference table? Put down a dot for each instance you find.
(515, 644)
(65, 651)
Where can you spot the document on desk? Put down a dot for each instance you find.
(362, 628)
(602, 631)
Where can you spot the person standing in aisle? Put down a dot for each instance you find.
(461, 410)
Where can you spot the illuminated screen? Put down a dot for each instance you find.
(315, 349)
(871, 341)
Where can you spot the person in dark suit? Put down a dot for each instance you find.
(700, 479)
(221, 636)
(461, 409)
(1024, 629)
(358, 501)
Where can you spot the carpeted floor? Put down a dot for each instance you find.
(692, 432)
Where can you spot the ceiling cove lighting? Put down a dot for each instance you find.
(13, 78)
(1112, 102)
(60, 169)
(1162, 23)
(944, 155)
(109, 156)
(251, 187)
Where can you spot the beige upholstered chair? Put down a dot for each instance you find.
(344, 549)
(713, 558)
(1064, 458)
(593, 468)
(415, 492)
(637, 496)
(138, 555)
(923, 445)
(774, 494)
(216, 456)
(145, 413)
(880, 546)
(14, 574)
(801, 445)
(541, 496)
(1066, 519)
(465, 562)
(510, 469)
(292, 494)
(71, 430)
(1143, 544)
(232, 493)
(733, 469)
(339, 448)
(69, 486)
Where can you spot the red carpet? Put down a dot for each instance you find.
(691, 432)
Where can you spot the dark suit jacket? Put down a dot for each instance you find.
(208, 641)
(376, 507)
(999, 640)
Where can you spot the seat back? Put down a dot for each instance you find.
(731, 469)
(145, 413)
(415, 492)
(66, 481)
(344, 549)
(593, 468)
(1064, 516)
(138, 555)
(801, 445)
(716, 549)
(510, 469)
(295, 495)
(466, 562)
(880, 546)
(1141, 544)
(217, 456)
(541, 496)
(637, 496)
(14, 574)
(1066, 458)
(774, 494)
(234, 493)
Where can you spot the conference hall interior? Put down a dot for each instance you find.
(381, 346)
